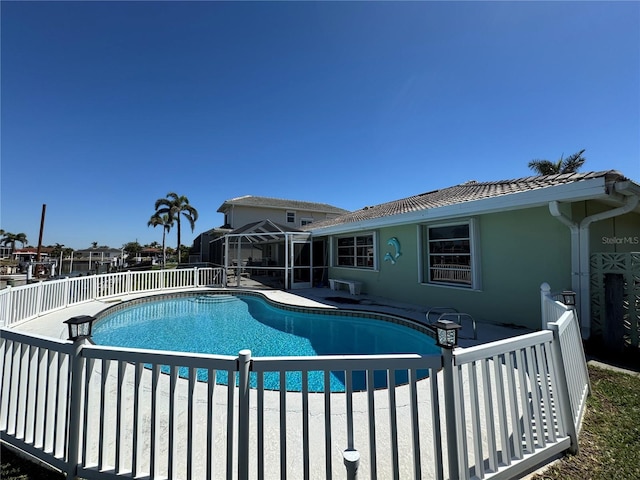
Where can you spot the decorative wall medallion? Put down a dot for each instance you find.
(393, 241)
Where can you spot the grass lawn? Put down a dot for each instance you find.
(609, 443)
(609, 440)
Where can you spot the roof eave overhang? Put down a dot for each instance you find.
(312, 209)
(593, 189)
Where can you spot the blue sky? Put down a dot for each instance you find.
(108, 106)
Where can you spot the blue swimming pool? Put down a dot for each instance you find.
(226, 324)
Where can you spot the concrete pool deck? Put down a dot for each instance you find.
(52, 325)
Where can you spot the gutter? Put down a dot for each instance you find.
(580, 246)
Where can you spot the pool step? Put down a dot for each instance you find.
(214, 299)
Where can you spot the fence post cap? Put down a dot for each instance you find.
(545, 287)
(351, 457)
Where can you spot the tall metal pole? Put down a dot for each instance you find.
(44, 210)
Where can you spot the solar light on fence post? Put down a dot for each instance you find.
(569, 298)
(447, 333)
(79, 334)
(447, 339)
(80, 327)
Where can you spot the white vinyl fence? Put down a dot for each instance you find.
(488, 411)
(30, 301)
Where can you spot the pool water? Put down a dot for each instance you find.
(226, 324)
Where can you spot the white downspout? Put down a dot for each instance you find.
(580, 248)
(554, 208)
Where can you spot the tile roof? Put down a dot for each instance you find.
(465, 192)
(266, 202)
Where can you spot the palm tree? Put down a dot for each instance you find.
(177, 206)
(56, 251)
(571, 164)
(22, 238)
(12, 238)
(166, 223)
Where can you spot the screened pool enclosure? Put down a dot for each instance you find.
(265, 253)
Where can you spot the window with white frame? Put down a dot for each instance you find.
(291, 217)
(357, 251)
(305, 221)
(449, 254)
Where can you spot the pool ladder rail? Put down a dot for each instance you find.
(450, 313)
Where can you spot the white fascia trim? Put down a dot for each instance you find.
(268, 234)
(574, 192)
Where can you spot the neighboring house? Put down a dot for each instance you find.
(289, 215)
(25, 256)
(149, 254)
(99, 256)
(202, 250)
(5, 251)
(486, 247)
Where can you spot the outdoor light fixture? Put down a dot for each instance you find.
(80, 327)
(569, 298)
(447, 333)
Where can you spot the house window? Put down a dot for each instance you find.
(356, 251)
(305, 221)
(291, 217)
(449, 255)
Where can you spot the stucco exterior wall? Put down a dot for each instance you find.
(240, 216)
(614, 235)
(518, 251)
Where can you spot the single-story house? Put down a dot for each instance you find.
(485, 248)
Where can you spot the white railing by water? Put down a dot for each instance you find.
(490, 411)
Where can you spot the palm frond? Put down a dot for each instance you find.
(570, 164)
(543, 167)
(573, 162)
